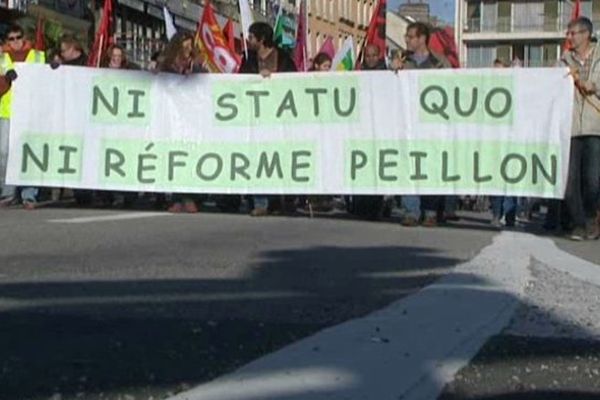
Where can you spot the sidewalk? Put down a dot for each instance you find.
(414, 347)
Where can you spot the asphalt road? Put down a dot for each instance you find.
(140, 306)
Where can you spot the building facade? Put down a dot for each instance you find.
(419, 11)
(337, 19)
(17, 5)
(139, 24)
(530, 33)
(140, 29)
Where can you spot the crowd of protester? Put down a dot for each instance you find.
(578, 214)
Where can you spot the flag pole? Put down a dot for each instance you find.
(99, 54)
(305, 36)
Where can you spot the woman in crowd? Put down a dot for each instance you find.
(181, 58)
(115, 58)
(322, 62)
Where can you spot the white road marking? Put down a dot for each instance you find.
(107, 218)
(411, 348)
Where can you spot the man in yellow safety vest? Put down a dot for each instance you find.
(16, 49)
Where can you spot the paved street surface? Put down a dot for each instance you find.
(99, 304)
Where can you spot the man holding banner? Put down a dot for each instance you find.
(16, 50)
(583, 186)
(265, 58)
(420, 57)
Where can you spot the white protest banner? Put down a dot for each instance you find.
(486, 131)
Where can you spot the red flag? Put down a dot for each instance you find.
(103, 37)
(40, 42)
(376, 32)
(575, 13)
(214, 46)
(328, 47)
(229, 34)
(300, 56)
(442, 42)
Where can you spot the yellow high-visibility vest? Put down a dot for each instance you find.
(6, 64)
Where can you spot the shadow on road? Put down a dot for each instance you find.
(152, 337)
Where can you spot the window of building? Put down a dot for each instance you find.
(480, 56)
(489, 16)
(331, 11)
(586, 8)
(359, 12)
(528, 16)
(504, 16)
(551, 20)
(550, 54)
(534, 56)
(596, 13)
(503, 53)
(474, 16)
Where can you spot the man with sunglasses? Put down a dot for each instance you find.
(16, 49)
(583, 185)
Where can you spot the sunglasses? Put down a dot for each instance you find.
(13, 38)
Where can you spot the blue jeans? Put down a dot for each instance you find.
(504, 205)
(29, 194)
(261, 202)
(5, 190)
(412, 204)
(451, 204)
(583, 186)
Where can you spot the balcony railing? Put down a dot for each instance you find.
(20, 5)
(74, 8)
(508, 24)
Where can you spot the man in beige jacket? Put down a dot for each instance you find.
(583, 186)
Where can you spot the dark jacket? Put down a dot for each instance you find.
(434, 61)
(380, 66)
(80, 61)
(284, 63)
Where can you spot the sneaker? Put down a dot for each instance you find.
(29, 205)
(175, 208)
(259, 212)
(578, 235)
(409, 222)
(496, 222)
(430, 222)
(190, 207)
